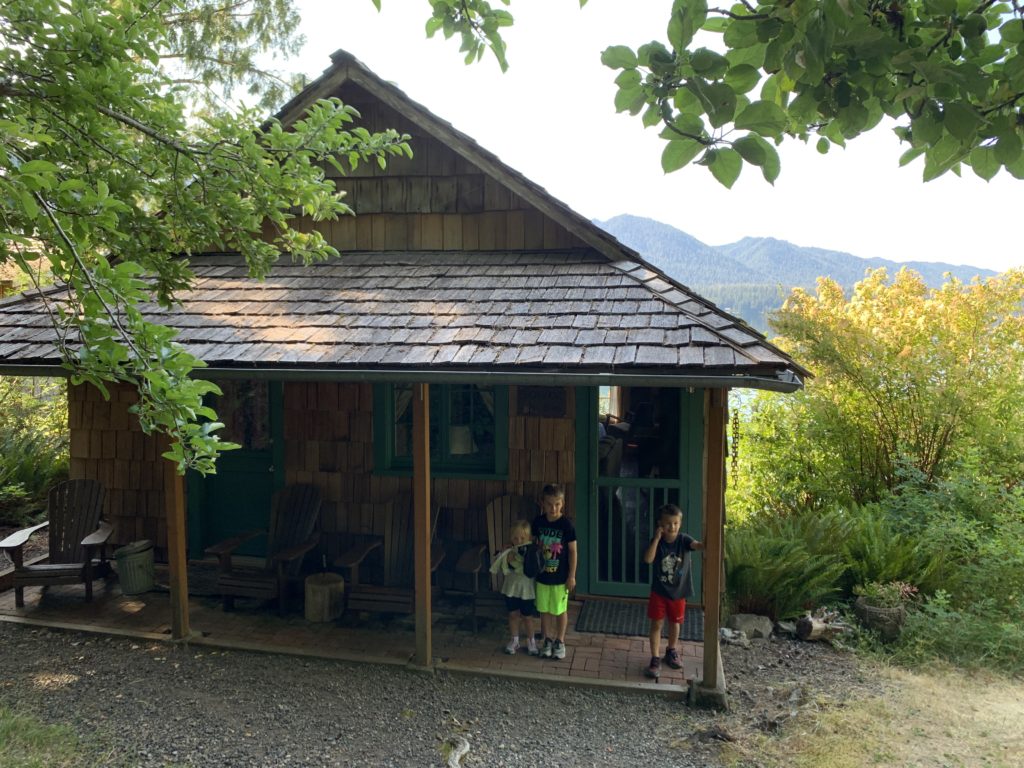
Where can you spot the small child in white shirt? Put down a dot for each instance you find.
(518, 567)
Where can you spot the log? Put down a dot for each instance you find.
(325, 597)
(810, 628)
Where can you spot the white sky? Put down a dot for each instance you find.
(551, 116)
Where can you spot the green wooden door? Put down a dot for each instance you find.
(649, 453)
(237, 498)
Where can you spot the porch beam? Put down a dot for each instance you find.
(421, 516)
(711, 690)
(174, 504)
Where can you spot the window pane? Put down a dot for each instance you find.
(644, 442)
(244, 409)
(470, 423)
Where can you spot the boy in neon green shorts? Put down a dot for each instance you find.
(556, 536)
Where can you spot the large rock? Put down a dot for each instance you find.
(752, 625)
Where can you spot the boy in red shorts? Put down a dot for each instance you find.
(669, 552)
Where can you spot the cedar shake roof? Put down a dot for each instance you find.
(597, 309)
(512, 312)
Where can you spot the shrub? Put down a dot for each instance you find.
(781, 567)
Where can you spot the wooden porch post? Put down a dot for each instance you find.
(711, 690)
(174, 504)
(421, 516)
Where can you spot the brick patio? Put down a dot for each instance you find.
(592, 659)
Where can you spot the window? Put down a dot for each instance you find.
(468, 428)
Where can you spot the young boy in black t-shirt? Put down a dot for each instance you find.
(669, 552)
(556, 536)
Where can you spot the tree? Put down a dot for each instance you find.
(907, 378)
(109, 181)
(729, 84)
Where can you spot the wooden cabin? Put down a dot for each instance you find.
(548, 351)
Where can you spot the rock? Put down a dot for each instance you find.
(734, 637)
(750, 624)
(787, 628)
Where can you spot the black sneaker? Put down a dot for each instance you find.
(653, 669)
(672, 659)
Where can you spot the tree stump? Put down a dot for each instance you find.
(325, 597)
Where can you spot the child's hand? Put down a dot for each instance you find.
(658, 533)
(570, 584)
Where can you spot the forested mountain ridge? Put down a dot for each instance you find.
(752, 276)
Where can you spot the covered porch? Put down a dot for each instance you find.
(593, 659)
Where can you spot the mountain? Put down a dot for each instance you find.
(752, 276)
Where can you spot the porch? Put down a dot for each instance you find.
(592, 659)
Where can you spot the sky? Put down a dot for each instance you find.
(551, 117)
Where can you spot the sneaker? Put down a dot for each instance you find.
(512, 647)
(531, 647)
(548, 649)
(653, 669)
(672, 658)
(559, 650)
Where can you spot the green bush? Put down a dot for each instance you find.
(979, 634)
(782, 567)
(33, 444)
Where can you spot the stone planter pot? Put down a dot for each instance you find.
(888, 622)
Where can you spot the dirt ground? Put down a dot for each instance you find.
(808, 704)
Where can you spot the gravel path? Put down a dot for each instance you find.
(154, 704)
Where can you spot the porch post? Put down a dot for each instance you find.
(174, 505)
(711, 690)
(421, 517)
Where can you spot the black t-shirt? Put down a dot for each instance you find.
(670, 571)
(554, 538)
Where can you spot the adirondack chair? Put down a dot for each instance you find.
(501, 513)
(291, 535)
(397, 593)
(78, 540)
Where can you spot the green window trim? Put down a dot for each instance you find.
(443, 461)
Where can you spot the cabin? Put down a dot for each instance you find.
(470, 306)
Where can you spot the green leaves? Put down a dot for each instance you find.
(763, 117)
(679, 152)
(619, 57)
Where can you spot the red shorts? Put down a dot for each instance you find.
(659, 606)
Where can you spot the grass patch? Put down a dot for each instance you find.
(25, 742)
(940, 718)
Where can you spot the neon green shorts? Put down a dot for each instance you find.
(552, 598)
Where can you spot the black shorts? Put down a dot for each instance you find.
(525, 607)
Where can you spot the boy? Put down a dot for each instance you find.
(556, 536)
(669, 551)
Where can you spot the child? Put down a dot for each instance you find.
(669, 551)
(517, 587)
(556, 537)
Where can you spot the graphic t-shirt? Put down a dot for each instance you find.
(554, 538)
(670, 571)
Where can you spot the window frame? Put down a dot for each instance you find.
(387, 463)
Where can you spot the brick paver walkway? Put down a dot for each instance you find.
(591, 658)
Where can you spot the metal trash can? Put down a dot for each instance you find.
(135, 567)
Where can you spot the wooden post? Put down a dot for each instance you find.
(421, 516)
(174, 504)
(714, 518)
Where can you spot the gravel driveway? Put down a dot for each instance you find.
(159, 705)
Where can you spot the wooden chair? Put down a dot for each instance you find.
(291, 535)
(501, 513)
(397, 593)
(78, 540)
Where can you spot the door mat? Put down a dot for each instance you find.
(621, 617)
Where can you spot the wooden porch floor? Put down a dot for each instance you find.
(592, 659)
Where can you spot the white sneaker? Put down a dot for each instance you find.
(512, 647)
(559, 650)
(531, 647)
(547, 649)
